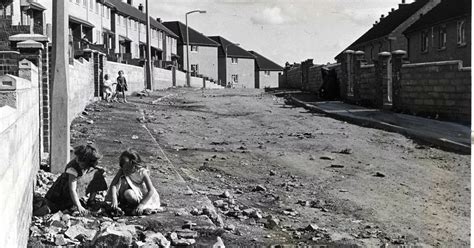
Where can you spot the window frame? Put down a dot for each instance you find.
(461, 33)
(234, 61)
(194, 49)
(424, 41)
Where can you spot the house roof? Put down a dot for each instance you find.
(387, 24)
(444, 11)
(264, 64)
(232, 50)
(130, 11)
(195, 37)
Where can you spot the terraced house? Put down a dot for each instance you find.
(202, 51)
(236, 65)
(266, 72)
(117, 28)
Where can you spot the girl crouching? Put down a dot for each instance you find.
(131, 189)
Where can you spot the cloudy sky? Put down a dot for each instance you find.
(282, 30)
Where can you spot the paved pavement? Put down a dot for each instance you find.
(446, 135)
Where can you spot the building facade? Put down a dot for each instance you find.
(387, 33)
(266, 72)
(442, 34)
(202, 51)
(236, 65)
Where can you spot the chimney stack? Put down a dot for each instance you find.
(403, 1)
(130, 2)
(382, 16)
(158, 20)
(140, 7)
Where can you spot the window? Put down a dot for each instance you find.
(108, 13)
(103, 10)
(97, 7)
(91, 5)
(442, 37)
(194, 49)
(267, 73)
(137, 49)
(84, 3)
(119, 19)
(98, 36)
(235, 78)
(461, 33)
(78, 1)
(234, 60)
(195, 68)
(425, 39)
(136, 25)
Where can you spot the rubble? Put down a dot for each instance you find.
(272, 222)
(219, 243)
(156, 238)
(112, 237)
(259, 188)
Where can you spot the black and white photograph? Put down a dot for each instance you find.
(235, 123)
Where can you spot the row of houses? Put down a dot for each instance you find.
(416, 59)
(429, 30)
(117, 28)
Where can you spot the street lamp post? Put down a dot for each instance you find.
(225, 53)
(188, 75)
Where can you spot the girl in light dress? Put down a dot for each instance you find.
(131, 189)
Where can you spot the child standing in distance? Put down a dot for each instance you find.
(63, 194)
(108, 88)
(132, 190)
(122, 85)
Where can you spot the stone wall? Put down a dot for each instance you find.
(19, 140)
(81, 86)
(440, 89)
(293, 77)
(367, 84)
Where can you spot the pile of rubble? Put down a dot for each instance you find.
(62, 229)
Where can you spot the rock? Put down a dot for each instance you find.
(379, 174)
(219, 243)
(272, 173)
(90, 122)
(79, 232)
(311, 157)
(312, 227)
(157, 238)
(55, 217)
(113, 238)
(346, 151)
(326, 157)
(256, 215)
(186, 234)
(226, 194)
(303, 203)
(272, 222)
(259, 188)
(229, 227)
(60, 240)
(134, 137)
(219, 203)
(195, 211)
(337, 166)
(183, 242)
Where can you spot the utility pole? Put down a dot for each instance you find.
(60, 129)
(188, 74)
(149, 66)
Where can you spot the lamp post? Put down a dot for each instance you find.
(225, 53)
(188, 75)
(148, 50)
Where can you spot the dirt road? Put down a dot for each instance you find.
(305, 178)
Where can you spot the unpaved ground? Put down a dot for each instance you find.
(360, 186)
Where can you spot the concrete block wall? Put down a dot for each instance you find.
(440, 89)
(81, 86)
(162, 79)
(293, 78)
(19, 140)
(366, 84)
(315, 79)
(135, 75)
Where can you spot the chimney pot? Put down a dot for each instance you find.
(382, 16)
(140, 7)
(403, 1)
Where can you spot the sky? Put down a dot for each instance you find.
(281, 30)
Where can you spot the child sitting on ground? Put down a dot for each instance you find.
(63, 194)
(132, 190)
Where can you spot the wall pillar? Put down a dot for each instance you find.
(397, 61)
(346, 86)
(357, 60)
(382, 97)
(305, 65)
